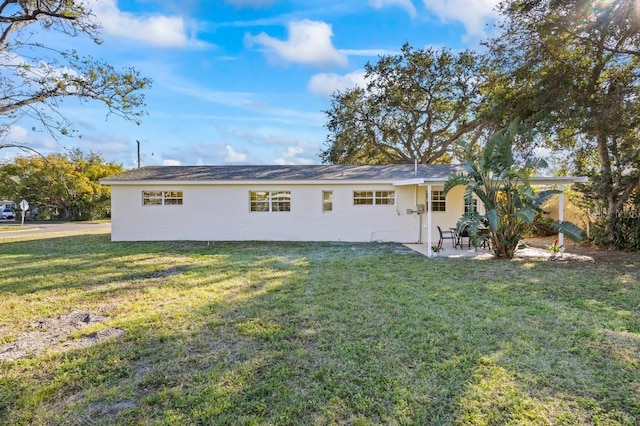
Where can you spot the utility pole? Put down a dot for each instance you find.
(138, 142)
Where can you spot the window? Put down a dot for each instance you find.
(327, 201)
(362, 197)
(385, 198)
(172, 197)
(160, 198)
(471, 207)
(438, 201)
(374, 197)
(151, 198)
(259, 201)
(270, 201)
(280, 201)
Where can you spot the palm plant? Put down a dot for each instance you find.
(502, 186)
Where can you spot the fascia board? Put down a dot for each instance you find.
(242, 182)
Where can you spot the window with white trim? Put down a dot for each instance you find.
(471, 207)
(162, 198)
(270, 201)
(438, 201)
(363, 198)
(374, 198)
(327, 201)
(385, 198)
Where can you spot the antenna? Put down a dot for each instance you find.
(138, 142)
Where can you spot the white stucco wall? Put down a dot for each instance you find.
(446, 219)
(221, 213)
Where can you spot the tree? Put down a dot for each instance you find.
(502, 186)
(67, 184)
(36, 77)
(415, 106)
(573, 71)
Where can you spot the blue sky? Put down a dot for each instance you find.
(245, 81)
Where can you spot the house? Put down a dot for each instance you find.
(391, 203)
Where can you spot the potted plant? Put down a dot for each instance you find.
(556, 248)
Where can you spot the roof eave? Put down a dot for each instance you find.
(248, 182)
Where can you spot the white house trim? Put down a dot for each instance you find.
(409, 182)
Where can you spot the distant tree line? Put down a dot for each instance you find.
(60, 186)
(567, 72)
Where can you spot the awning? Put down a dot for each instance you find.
(416, 181)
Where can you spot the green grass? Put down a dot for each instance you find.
(319, 333)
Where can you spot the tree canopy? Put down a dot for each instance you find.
(414, 107)
(67, 186)
(572, 70)
(35, 76)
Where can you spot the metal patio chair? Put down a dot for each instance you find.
(447, 235)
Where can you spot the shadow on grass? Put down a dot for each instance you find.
(292, 333)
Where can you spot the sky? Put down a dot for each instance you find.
(244, 81)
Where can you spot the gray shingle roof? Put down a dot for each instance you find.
(393, 172)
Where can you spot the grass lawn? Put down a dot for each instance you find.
(318, 333)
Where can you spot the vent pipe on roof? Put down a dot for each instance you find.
(415, 167)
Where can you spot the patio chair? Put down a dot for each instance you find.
(447, 235)
(462, 234)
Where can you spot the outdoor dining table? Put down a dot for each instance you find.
(459, 235)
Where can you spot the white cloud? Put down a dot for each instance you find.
(473, 14)
(292, 156)
(246, 101)
(325, 84)
(17, 134)
(158, 30)
(169, 162)
(234, 156)
(309, 42)
(404, 4)
(30, 70)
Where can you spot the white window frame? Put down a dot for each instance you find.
(327, 201)
(363, 198)
(162, 198)
(471, 207)
(374, 198)
(438, 201)
(384, 198)
(275, 201)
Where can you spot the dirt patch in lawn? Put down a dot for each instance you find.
(52, 334)
(576, 249)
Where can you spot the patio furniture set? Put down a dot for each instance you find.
(457, 237)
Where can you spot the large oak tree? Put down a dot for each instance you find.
(414, 107)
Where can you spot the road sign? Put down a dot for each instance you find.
(24, 206)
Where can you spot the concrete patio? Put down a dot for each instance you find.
(526, 253)
(448, 252)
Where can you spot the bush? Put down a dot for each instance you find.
(626, 232)
(542, 226)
